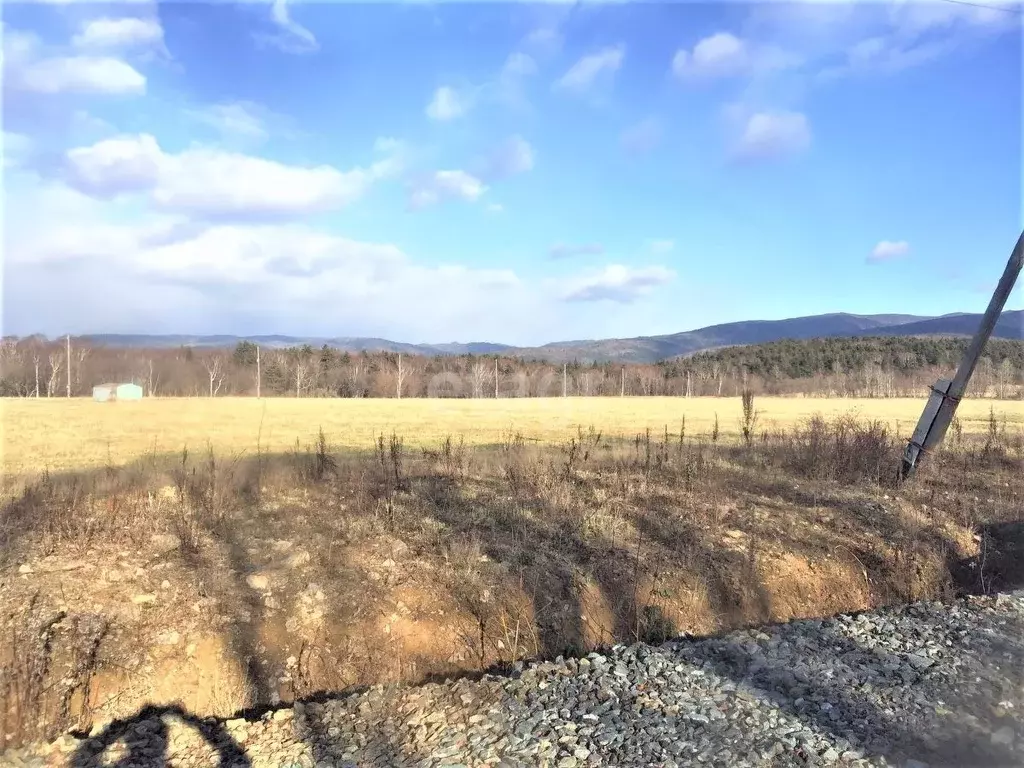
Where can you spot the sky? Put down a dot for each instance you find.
(508, 172)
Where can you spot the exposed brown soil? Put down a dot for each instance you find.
(219, 587)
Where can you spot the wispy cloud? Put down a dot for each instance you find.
(563, 251)
(447, 104)
(642, 137)
(589, 70)
(618, 283)
(886, 250)
(291, 36)
(439, 186)
(510, 158)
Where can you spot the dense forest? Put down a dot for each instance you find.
(830, 367)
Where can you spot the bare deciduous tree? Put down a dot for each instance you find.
(56, 360)
(215, 369)
(479, 377)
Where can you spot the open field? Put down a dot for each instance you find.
(59, 434)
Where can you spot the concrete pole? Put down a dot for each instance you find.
(945, 397)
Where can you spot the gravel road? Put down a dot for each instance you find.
(924, 684)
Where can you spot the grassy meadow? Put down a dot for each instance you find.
(61, 435)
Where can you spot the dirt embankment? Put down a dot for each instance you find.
(221, 586)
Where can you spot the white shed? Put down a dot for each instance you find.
(103, 393)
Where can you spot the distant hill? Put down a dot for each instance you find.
(642, 349)
(349, 344)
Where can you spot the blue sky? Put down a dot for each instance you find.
(508, 172)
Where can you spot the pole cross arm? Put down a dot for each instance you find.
(946, 395)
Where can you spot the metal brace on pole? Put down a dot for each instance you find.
(945, 395)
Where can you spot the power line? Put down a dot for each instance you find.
(1015, 11)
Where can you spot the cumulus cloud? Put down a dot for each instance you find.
(79, 74)
(720, 55)
(213, 183)
(563, 251)
(887, 250)
(123, 32)
(770, 135)
(725, 55)
(586, 72)
(446, 104)
(617, 283)
(439, 186)
(642, 137)
(71, 261)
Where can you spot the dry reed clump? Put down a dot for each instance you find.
(326, 568)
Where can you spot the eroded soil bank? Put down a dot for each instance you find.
(218, 586)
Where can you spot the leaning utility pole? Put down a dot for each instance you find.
(258, 377)
(945, 396)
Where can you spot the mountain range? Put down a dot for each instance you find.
(641, 349)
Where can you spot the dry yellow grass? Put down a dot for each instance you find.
(72, 434)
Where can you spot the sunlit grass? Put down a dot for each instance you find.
(61, 434)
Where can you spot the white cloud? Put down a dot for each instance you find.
(720, 55)
(446, 104)
(69, 266)
(768, 135)
(79, 74)
(511, 158)
(586, 72)
(116, 166)
(563, 251)
(519, 65)
(642, 137)
(838, 39)
(213, 183)
(617, 283)
(725, 55)
(119, 33)
(293, 37)
(440, 186)
(240, 119)
(661, 246)
(889, 249)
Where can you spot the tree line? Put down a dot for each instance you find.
(830, 367)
